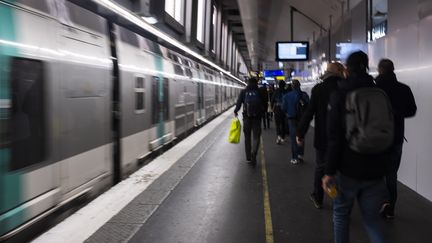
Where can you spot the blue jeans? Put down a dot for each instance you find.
(369, 195)
(295, 149)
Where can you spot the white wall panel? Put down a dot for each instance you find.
(408, 45)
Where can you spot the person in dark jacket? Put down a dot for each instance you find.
(403, 105)
(356, 176)
(265, 117)
(317, 108)
(290, 103)
(276, 104)
(251, 124)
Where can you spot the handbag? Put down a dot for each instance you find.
(235, 131)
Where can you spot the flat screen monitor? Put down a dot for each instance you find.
(292, 51)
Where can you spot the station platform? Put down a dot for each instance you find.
(210, 194)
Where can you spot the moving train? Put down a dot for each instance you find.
(83, 100)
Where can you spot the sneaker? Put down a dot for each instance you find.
(253, 162)
(294, 161)
(278, 140)
(317, 204)
(386, 212)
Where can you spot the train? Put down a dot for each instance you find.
(83, 100)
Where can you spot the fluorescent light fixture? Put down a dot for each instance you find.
(150, 20)
(141, 23)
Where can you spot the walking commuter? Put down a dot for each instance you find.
(279, 115)
(403, 104)
(253, 110)
(294, 104)
(356, 166)
(264, 95)
(317, 108)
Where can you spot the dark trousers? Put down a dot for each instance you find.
(266, 120)
(295, 148)
(391, 174)
(318, 191)
(280, 124)
(252, 126)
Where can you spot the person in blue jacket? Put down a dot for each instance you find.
(294, 104)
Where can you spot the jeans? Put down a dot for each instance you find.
(295, 149)
(318, 191)
(252, 125)
(369, 195)
(391, 174)
(280, 124)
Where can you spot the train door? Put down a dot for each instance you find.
(29, 178)
(161, 117)
(84, 101)
(200, 102)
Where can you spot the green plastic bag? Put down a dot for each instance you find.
(235, 131)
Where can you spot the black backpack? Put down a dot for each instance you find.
(369, 120)
(301, 106)
(252, 103)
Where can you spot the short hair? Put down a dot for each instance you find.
(385, 66)
(252, 80)
(295, 84)
(335, 68)
(282, 84)
(358, 62)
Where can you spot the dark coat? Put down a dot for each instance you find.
(340, 158)
(317, 107)
(402, 100)
(241, 100)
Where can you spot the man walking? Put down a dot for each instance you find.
(294, 104)
(253, 110)
(403, 104)
(355, 163)
(317, 108)
(279, 115)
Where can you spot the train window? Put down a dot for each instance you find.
(129, 37)
(139, 95)
(166, 99)
(176, 9)
(85, 18)
(36, 4)
(178, 70)
(27, 118)
(155, 100)
(188, 72)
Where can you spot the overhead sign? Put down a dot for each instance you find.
(273, 73)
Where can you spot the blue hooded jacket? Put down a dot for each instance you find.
(289, 102)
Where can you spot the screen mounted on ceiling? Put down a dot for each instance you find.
(292, 51)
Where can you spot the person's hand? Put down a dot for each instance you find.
(299, 141)
(328, 180)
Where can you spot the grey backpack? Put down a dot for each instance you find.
(369, 120)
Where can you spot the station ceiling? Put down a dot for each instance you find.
(263, 22)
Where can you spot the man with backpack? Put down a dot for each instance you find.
(279, 115)
(253, 110)
(359, 132)
(317, 108)
(403, 104)
(294, 104)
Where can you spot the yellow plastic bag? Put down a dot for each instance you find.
(235, 131)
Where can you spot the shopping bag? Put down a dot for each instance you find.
(235, 131)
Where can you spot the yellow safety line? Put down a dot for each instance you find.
(267, 212)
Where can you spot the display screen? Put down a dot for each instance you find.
(273, 73)
(292, 51)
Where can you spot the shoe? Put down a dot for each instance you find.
(278, 140)
(317, 204)
(386, 212)
(253, 162)
(294, 161)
